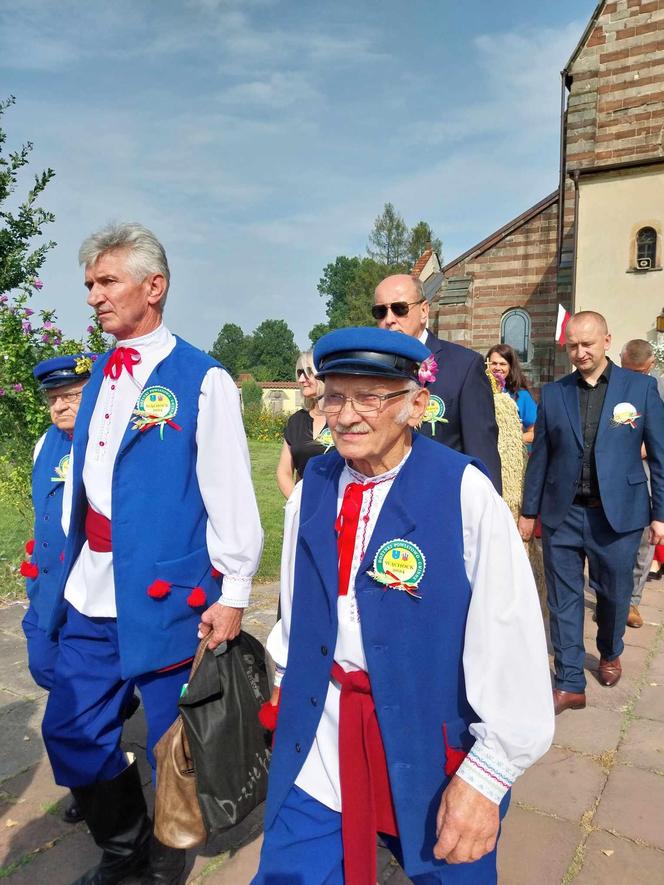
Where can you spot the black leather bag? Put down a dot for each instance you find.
(228, 745)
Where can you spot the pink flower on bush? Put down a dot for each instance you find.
(57, 341)
(18, 388)
(90, 330)
(38, 284)
(27, 312)
(428, 371)
(2, 391)
(4, 299)
(26, 326)
(45, 338)
(48, 324)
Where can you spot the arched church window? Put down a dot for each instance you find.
(646, 248)
(515, 331)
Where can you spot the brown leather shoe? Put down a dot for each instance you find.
(634, 618)
(609, 672)
(568, 700)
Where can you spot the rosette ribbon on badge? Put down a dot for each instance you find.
(434, 413)
(61, 469)
(324, 438)
(156, 407)
(625, 413)
(399, 565)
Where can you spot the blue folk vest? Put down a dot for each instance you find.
(414, 648)
(48, 475)
(158, 521)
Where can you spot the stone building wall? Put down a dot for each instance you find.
(515, 269)
(615, 106)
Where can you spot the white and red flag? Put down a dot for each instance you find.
(564, 317)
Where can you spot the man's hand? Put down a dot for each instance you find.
(656, 532)
(526, 528)
(223, 621)
(466, 825)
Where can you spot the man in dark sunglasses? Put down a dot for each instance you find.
(461, 412)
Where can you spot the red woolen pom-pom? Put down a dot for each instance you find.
(215, 572)
(62, 556)
(30, 546)
(29, 570)
(197, 597)
(268, 715)
(158, 589)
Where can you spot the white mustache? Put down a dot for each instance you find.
(360, 427)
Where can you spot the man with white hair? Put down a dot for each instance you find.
(163, 541)
(411, 664)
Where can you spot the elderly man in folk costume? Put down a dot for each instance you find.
(61, 381)
(413, 683)
(164, 538)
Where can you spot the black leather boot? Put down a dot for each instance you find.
(72, 813)
(166, 865)
(116, 814)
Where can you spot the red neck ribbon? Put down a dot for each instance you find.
(121, 358)
(366, 797)
(346, 528)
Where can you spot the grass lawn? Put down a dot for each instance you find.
(15, 528)
(264, 457)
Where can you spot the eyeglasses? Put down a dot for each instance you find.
(362, 403)
(51, 399)
(398, 308)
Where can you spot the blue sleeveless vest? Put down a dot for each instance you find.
(414, 648)
(158, 521)
(48, 474)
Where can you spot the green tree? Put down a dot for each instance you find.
(231, 348)
(27, 335)
(388, 240)
(273, 352)
(252, 395)
(421, 238)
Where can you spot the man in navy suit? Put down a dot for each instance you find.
(586, 479)
(461, 412)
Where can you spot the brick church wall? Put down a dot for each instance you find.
(518, 271)
(615, 107)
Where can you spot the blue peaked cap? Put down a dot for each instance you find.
(60, 370)
(369, 351)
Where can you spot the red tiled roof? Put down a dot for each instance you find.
(419, 265)
(270, 385)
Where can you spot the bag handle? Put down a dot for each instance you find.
(200, 651)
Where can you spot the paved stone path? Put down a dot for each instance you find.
(590, 812)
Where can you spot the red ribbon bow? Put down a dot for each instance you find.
(121, 358)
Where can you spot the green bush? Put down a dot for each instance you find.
(252, 395)
(263, 426)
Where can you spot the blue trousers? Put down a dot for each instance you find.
(82, 725)
(303, 847)
(585, 534)
(42, 650)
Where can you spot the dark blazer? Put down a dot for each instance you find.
(469, 424)
(554, 466)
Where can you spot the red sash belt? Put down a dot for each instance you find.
(366, 798)
(98, 531)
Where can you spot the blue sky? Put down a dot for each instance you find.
(260, 138)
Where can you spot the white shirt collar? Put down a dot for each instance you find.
(157, 338)
(356, 476)
(423, 337)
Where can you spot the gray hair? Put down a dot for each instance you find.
(145, 254)
(638, 351)
(413, 388)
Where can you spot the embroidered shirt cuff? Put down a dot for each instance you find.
(235, 591)
(491, 776)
